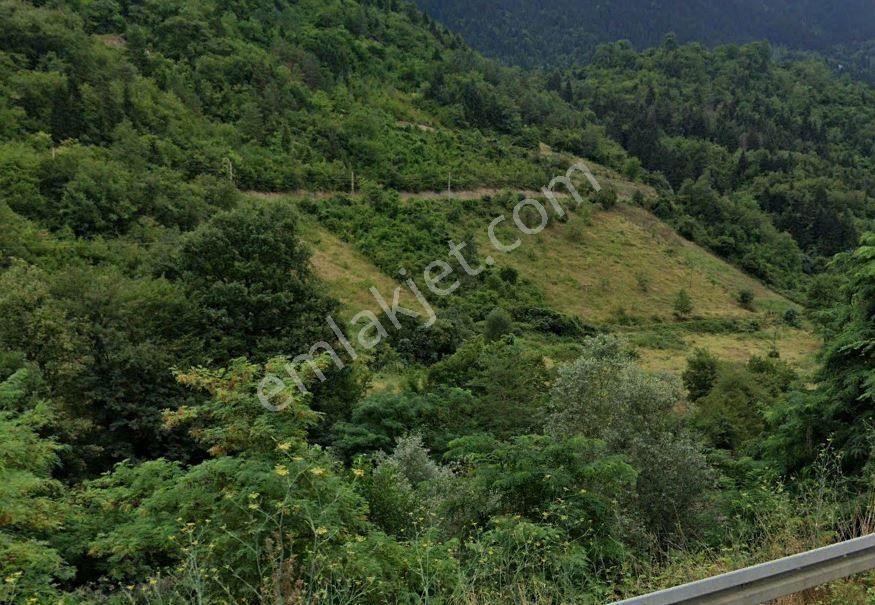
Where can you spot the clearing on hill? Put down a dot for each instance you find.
(622, 268)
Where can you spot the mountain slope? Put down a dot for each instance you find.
(154, 320)
(159, 109)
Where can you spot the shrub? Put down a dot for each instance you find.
(643, 282)
(683, 305)
(774, 375)
(378, 421)
(622, 317)
(607, 198)
(498, 323)
(414, 462)
(508, 275)
(416, 343)
(746, 299)
(574, 233)
(701, 373)
(551, 322)
(662, 340)
(392, 502)
(603, 395)
(792, 318)
(532, 561)
(731, 414)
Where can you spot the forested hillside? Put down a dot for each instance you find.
(735, 133)
(194, 195)
(563, 33)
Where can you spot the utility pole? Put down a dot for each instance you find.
(449, 185)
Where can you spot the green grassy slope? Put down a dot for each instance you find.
(620, 268)
(625, 267)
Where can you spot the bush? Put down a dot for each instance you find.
(746, 299)
(532, 561)
(643, 282)
(607, 198)
(683, 305)
(416, 343)
(509, 275)
(551, 322)
(701, 373)
(731, 415)
(791, 318)
(498, 323)
(622, 317)
(574, 233)
(605, 396)
(379, 421)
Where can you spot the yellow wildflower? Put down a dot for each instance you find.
(281, 469)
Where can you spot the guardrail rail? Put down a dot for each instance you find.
(768, 581)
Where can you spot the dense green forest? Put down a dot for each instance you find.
(161, 166)
(565, 33)
(732, 130)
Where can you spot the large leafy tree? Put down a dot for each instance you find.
(604, 395)
(105, 344)
(250, 277)
(268, 518)
(842, 410)
(31, 511)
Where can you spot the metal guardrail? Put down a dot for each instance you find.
(767, 581)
